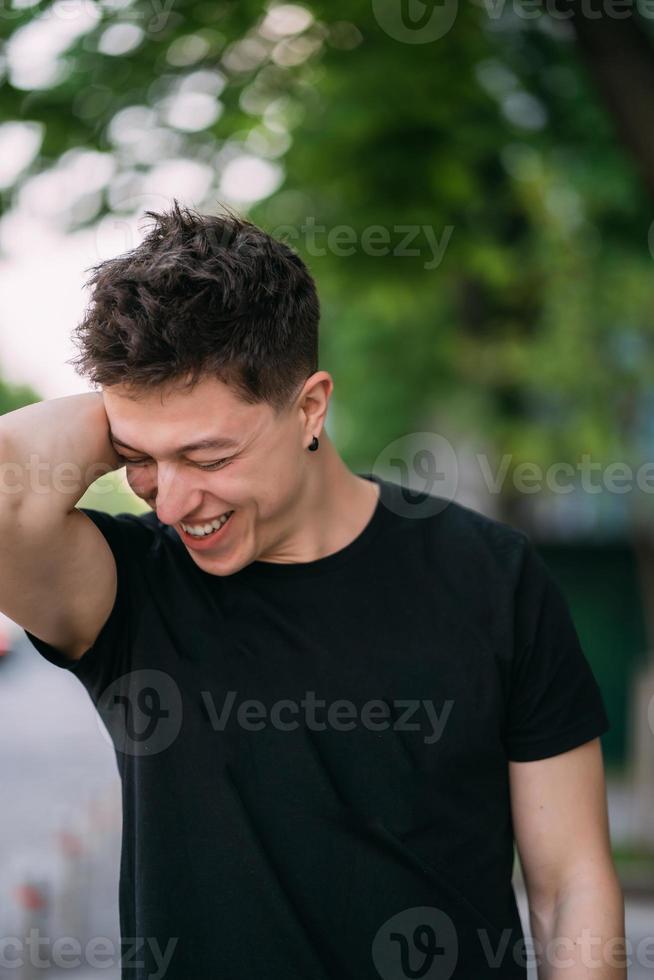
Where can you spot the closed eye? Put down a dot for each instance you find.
(133, 462)
(201, 466)
(212, 466)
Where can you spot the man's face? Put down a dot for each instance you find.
(256, 475)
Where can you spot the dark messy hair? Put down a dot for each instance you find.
(202, 295)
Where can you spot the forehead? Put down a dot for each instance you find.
(163, 419)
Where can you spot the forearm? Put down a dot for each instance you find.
(52, 451)
(581, 935)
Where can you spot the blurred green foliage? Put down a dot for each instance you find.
(15, 396)
(532, 330)
(112, 494)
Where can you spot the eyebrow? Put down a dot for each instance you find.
(217, 442)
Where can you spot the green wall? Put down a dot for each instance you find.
(601, 585)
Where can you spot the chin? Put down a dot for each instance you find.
(216, 564)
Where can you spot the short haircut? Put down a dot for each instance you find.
(202, 295)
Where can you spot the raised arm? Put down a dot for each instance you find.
(57, 572)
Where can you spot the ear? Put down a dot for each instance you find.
(313, 401)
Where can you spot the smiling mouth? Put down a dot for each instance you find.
(205, 529)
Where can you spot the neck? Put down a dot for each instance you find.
(334, 507)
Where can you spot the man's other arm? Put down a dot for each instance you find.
(576, 905)
(57, 573)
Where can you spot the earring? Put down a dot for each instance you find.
(314, 444)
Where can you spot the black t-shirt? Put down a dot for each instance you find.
(314, 756)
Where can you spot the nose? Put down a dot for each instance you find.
(175, 497)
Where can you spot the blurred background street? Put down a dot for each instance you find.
(61, 821)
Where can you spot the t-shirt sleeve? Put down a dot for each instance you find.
(554, 702)
(110, 655)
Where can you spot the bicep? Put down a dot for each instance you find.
(59, 582)
(560, 819)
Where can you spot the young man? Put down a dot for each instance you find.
(332, 717)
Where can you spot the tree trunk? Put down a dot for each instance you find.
(620, 58)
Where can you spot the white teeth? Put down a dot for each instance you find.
(200, 530)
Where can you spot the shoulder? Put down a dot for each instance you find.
(459, 535)
(128, 533)
(145, 550)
